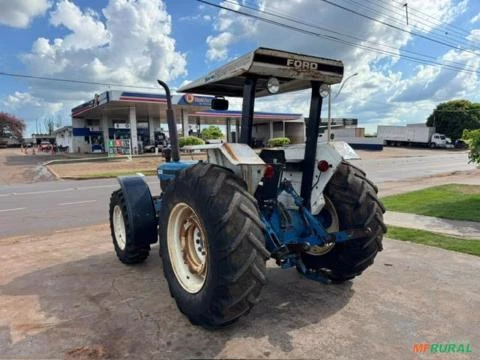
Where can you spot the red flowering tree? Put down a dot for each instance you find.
(11, 126)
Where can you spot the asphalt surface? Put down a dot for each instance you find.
(66, 296)
(45, 206)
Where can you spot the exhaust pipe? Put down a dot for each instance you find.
(172, 124)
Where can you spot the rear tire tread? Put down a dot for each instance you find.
(237, 238)
(133, 253)
(354, 197)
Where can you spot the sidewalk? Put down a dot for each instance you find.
(465, 229)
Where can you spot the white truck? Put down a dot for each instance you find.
(412, 135)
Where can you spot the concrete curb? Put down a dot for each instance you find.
(53, 172)
(94, 159)
(469, 230)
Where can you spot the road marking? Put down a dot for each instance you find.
(15, 209)
(77, 202)
(41, 192)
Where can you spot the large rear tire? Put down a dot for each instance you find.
(129, 250)
(354, 198)
(212, 245)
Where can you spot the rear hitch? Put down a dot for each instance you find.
(312, 275)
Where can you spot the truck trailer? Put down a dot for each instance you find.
(412, 135)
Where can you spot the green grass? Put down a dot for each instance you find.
(471, 246)
(103, 175)
(453, 201)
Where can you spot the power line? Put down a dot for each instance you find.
(296, 20)
(75, 81)
(396, 27)
(336, 39)
(398, 18)
(428, 17)
(428, 21)
(434, 26)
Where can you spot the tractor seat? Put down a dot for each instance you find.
(271, 156)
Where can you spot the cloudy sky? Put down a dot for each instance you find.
(403, 69)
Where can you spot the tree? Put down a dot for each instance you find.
(46, 125)
(280, 141)
(11, 126)
(190, 140)
(472, 137)
(212, 132)
(452, 117)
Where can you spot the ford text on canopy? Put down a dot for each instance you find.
(294, 72)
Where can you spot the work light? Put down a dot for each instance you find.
(273, 85)
(324, 90)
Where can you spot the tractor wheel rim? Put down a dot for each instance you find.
(187, 248)
(119, 227)
(333, 227)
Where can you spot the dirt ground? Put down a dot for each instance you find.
(138, 164)
(69, 297)
(19, 168)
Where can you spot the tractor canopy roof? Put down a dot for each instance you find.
(294, 72)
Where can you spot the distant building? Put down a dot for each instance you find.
(64, 138)
(141, 118)
(38, 138)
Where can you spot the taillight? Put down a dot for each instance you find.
(323, 165)
(269, 172)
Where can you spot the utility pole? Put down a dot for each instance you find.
(406, 11)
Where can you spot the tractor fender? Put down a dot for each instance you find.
(333, 153)
(140, 208)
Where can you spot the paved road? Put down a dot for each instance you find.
(46, 206)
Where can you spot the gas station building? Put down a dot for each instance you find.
(141, 117)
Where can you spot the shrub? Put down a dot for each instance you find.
(281, 141)
(472, 138)
(212, 132)
(190, 140)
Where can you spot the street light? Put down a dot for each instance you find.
(329, 121)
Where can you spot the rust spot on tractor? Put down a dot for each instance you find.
(230, 151)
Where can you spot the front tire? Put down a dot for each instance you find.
(354, 198)
(128, 250)
(212, 245)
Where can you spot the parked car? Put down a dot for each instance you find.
(460, 144)
(45, 146)
(149, 148)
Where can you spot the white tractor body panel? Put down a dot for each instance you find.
(245, 163)
(239, 158)
(334, 153)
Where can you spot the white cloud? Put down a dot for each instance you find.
(18, 99)
(19, 13)
(231, 27)
(475, 19)
(86, 30)
(474, 35)
(131, 43)
(217, 46)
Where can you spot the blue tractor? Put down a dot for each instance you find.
(219, 221)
